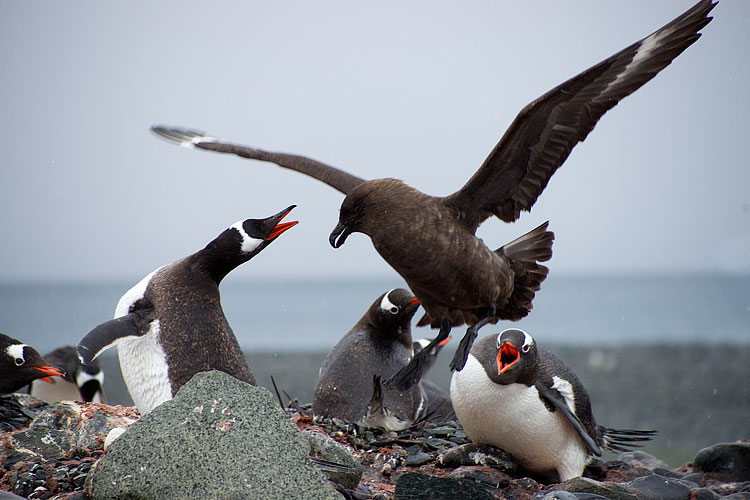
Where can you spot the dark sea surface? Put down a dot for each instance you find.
(655, 352)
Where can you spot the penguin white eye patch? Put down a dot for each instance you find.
(387, 305)
(15, 351)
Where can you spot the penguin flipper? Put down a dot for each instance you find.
(553, 397)
(107, 334)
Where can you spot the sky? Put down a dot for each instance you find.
(421, 91)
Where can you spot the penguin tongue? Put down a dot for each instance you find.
(507, 357)
(280, 228)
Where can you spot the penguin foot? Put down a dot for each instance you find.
(464, 347)
(411, 374)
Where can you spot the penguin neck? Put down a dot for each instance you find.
(221, 256)
(400, 334)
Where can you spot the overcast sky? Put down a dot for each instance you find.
(418, 90)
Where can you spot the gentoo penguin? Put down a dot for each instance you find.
(430, 241)
(171, 326)
(81, 382)
(20, 364)
(517, 396)
(376, 347)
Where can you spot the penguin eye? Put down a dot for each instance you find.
(394, 309)
(526, 347)
(20, 361)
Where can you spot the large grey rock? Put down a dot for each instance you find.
(730, 460)
(219, 438)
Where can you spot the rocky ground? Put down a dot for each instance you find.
(426, 462)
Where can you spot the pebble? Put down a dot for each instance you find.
(634, 475)
(417, 459)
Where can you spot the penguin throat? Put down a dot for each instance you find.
(507, 357)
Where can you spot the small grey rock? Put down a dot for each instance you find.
(324, 447)
(612, 491)
(7, 495)
(696, 478)
(559, 495)
(640, 458)
(417, 459)
(657, 487)
(477, 454)
(362, 492)
(415, 486)
(703, 494)
(481, 474)
(567, 495)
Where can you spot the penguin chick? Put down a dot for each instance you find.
(81, 382)
(376, 347)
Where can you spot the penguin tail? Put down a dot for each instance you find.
(376, 401)
(524, 255)
(625, 439)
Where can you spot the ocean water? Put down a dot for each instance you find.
(670, 353)
(293, 315)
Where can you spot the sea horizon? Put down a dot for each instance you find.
(312, 313)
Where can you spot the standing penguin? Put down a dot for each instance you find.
(523, 399)
(376, 347)
(20, 364)
(81, 382)
(171, 326)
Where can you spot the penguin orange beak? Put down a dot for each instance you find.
(447, 339)
(50, 370)
(414, 301)
(507, 357)
(281, 227)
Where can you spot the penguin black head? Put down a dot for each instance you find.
(392, 313)
(88, 378)
(20, 364)
(516, 355)
(256, 234)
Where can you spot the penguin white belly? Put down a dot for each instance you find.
(512, 417)
(144, 368)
